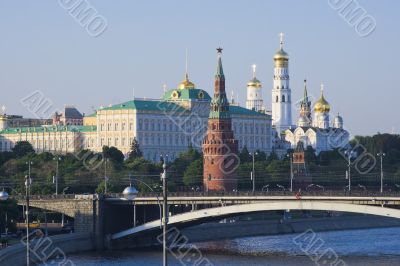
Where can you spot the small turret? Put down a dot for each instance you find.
(3, 122)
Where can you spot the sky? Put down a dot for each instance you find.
(44, 49)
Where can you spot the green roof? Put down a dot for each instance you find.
(186, 95)
(233, 109)
(91, 115)
(17, 130)
(146, 105)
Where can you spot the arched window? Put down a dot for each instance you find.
(277, 99)
(283, 98)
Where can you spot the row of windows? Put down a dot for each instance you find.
(283, 98)
(116, 142)
(115, 126)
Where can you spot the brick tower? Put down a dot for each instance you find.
(220, 147)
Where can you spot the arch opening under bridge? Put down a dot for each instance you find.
(217, 213)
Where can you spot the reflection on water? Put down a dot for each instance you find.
(355, 247)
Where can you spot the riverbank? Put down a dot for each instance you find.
(43, 248)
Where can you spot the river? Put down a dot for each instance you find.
(352, 247)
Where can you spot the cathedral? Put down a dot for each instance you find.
(312, 129)
(316, 130)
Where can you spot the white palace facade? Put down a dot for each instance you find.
(167, 126)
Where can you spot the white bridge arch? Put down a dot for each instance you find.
(232, 210)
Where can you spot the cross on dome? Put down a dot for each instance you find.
(254, 70)
(281, 39)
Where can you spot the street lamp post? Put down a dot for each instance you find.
(62, 214)
(349, 154)
(131, 192)
(253, 173)
(57, 159)
(165, 212)
(28, 182)
(4, 197)
(381, 154)
(105, 175)
(291, 171)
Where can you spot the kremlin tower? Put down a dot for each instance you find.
(220, 148)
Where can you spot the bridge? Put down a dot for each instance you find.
(112, 219)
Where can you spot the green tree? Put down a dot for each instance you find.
(193, 175)
(135, 150)
(22, 148)
(245, 156)
(112, 153)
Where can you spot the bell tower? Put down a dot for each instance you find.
(281, 92)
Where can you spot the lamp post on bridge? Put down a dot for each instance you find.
(131, 192)
(381, 154)
(253, 173)
(3, 197)
(105, 175)
(165, 211)
(290, 155)
(55, 178)
(349, 154)
(28, 183)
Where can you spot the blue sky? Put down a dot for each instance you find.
(43, 48)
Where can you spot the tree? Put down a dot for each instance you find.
(194, 173)
(22, 148)
(245, 156)
(135, 150)
(112, 153)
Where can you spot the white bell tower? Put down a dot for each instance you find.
(281, 92)
(254, 94)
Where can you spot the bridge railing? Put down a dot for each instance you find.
(328, 193)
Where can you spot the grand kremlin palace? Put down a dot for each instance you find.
(169, 125)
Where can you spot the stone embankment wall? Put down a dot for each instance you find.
(43, 248)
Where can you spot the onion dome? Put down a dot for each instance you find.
(281, 54)
(322, 105)
(254, 82)
(338, 121)
(186, 83)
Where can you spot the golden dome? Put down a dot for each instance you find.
(322, 105)
(254, 83)
(281, 54)
(186, 83)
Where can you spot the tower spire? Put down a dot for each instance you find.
(305, 98)
(220, 71)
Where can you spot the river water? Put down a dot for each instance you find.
(352, 247)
